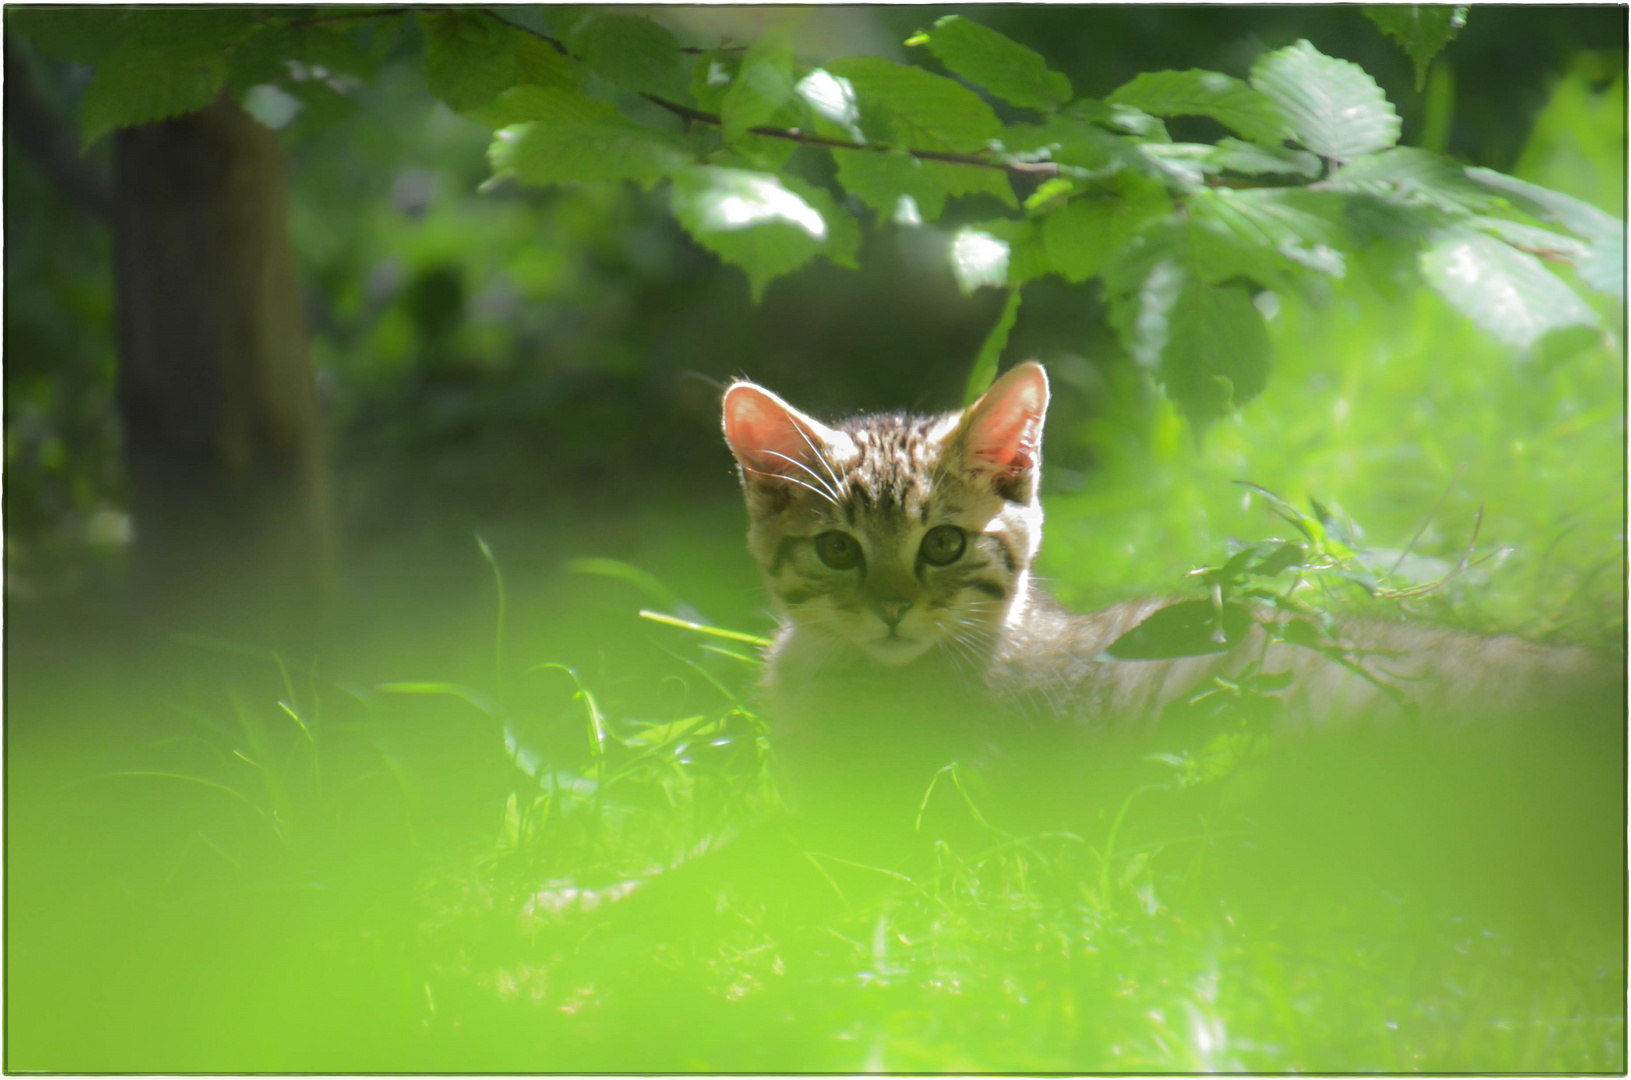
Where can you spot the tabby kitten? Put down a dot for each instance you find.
(899, 549)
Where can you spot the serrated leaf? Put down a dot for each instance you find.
(1077, 237)
(1204, 341)
(984, 371)
(1190, 628)
(566, 137)
(468, 59)
(630, 52)
(925, 111)
(1227, 100)
(763, 84)
(1232, 155)
(1508, 293)
(1002, 66)
(880, 180)
(1333, 107)
(1603, 265)
(1422, 30)
(1413, 175)
(753, 220)
(167, 62)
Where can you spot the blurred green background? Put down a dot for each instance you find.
(224, 859)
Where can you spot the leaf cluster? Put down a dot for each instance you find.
(767, 157)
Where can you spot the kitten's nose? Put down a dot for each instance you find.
(892, 611)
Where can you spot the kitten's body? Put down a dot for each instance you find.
(900, 550)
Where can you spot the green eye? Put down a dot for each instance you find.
(943, 545)
(839, 550)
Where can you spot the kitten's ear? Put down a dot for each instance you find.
(1001, 433)
(772, 440)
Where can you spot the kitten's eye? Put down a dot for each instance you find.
(943, 545)
(839, 550)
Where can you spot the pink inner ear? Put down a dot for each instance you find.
(1006, 429)
(762, 432)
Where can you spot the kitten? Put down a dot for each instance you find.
(899, 549)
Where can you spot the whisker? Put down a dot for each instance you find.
(795, 480)
(837, 484)
(832, 492)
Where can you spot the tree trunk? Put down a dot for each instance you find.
(221, 422)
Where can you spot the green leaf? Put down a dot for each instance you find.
(1602, 266)
(81, 35)
(1232, 155)
(566, 137)
(760, 223)
(1205, 93)
(630, 52)
(1411, 175)
(1508, 293)
(262, 57)
(1333, 107)
(712, 77)
(1422, 30)
(1065, 140)
(1078, 237)
(882, 180)
(1005, 252)
(1191, 628)
(984, 372)
(763, 84)
(925, 112)
(1297, 224)
(1181, 315)
(978, 259)
(468, 59)
(960, 180)
(167, 62)
(1004, 67)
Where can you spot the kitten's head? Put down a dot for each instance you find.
(891, 534)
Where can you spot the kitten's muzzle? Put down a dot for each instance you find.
(892, 611)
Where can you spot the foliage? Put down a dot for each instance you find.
(1196, 229)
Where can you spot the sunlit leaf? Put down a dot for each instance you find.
(1225, 99)
(1412, 175)
(1602, 266)
(568, 137)
(925, 111)
(1505, 291)
(755, 221)
(978, 259)
(1002, 66)
(1333, 107)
